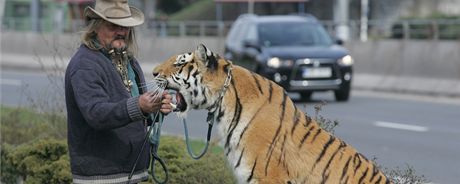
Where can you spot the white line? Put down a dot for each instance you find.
(400, 126)
(10, 82)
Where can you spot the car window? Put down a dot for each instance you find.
(241, 34)
(233, 34)
(251, 33)
(292, 34)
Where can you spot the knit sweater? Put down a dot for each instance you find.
(106, 127)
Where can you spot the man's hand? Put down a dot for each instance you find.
(148, 103)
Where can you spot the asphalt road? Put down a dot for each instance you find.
(398, 130)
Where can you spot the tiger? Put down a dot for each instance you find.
(265, 137)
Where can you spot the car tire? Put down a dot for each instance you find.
(305, 96)
(343, 94)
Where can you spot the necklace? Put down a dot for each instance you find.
(120, 61)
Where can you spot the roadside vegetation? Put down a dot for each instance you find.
(34, 149)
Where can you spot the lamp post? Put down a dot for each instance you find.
(341, 18)
(364, 20)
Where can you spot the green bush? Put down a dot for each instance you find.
(43, 161)
(47, 161)
(211, 168)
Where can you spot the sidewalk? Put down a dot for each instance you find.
(368, 82)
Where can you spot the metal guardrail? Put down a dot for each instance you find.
(444, 29)
(189, 28)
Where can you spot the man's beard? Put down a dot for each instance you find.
(118, 50)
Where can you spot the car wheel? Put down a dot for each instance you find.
(343, 94)
(305, 96)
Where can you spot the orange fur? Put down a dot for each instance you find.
(267, 139)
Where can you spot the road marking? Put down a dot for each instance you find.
(11, 82)
(400, 126)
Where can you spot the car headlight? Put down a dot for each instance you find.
(277, 62)
(346, 60)
(274, 62)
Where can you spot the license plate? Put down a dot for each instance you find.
(319, 72)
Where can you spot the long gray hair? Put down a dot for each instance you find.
(90, 34)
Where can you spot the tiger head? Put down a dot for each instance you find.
(198, 78)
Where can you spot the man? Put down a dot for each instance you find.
(107, 101)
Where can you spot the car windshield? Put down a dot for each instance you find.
(292, 34)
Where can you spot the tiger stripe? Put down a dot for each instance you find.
(316, 134)
(257, 83)
(345, 169)
(252, 171)
(296, 121)
(305, 137)
(239, 159)
(270, 91)
(236, 117)
(363, 176)
(323, 151)
(342, 145)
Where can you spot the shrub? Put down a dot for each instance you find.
(211, 168)
(43, 161)
(406, 175)
(47, 161)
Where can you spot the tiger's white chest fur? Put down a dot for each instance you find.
(232, 150)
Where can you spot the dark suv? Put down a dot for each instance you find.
(294, 51)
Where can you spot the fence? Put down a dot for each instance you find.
(444, 29)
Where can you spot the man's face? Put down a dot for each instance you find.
(112, 35)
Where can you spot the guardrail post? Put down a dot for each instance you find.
(435, 29)
(163, 31)
(220, 28)
(406, 30)
(202, 29)
(182, 28)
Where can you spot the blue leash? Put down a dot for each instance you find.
(208, 138)
(155, 144)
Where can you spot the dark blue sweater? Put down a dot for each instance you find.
(106, 127)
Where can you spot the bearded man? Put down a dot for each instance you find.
(106, 98)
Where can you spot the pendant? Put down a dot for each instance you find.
(128, 84)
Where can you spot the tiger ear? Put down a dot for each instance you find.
(200, 52)
(205, 55)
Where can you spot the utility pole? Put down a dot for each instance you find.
(35, 15)
(2, 8)
(150, 8)
(364, 19)
(341, 18)
(251, 6)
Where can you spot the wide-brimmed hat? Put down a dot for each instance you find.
(117, 12)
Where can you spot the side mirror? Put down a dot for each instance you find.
(339, 41)
(251, 44)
